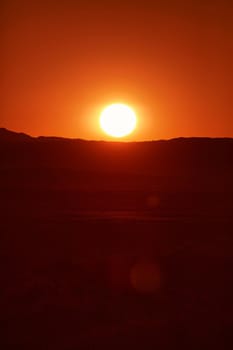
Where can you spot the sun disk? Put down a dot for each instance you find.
(118, 120)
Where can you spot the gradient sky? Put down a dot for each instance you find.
(64, 60)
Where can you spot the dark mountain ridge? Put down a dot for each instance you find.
(195, 163)
(11, 136)
(191, 165)
(179, 155)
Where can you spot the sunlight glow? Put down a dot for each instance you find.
(118, 120)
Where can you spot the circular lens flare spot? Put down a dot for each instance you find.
(118, 120)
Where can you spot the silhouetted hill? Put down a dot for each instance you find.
(11, 136)
(187, 175)
(182, 156)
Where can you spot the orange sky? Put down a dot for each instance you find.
(64, 60)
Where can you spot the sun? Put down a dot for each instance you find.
(118, 120)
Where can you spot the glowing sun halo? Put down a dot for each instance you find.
(118, 120)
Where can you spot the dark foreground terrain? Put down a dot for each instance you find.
(116, 246)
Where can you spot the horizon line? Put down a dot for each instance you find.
(115, 140)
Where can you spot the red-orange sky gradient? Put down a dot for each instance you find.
(64, 60)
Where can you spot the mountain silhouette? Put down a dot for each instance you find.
(125, 172)
(181, 156)
(11, 136)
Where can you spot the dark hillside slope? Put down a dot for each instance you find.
(155, 157)
(183, 173)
